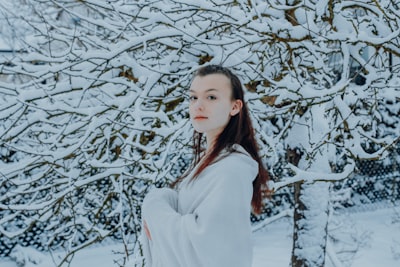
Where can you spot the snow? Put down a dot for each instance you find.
(383, 239)
(377, 230)
(74, 114)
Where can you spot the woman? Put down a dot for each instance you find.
(204, 220)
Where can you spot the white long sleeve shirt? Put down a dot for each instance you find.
(206, 223)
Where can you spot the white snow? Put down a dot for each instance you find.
(377, 231)
(152, 47)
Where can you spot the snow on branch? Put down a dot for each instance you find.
(311, 177)
(93, 108)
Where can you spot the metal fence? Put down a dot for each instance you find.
(375, 182)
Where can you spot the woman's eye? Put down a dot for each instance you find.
(211, 97)
(192, 98)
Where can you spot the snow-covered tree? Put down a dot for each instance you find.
(87, 115)
(346, 84)
(93, 110)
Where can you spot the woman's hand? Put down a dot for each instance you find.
(146, 230)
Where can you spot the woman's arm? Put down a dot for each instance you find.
(218, 231)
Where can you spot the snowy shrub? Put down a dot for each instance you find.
(345, 239)
(26, 256)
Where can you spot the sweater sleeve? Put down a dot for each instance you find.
(160, 203)
(218, 231)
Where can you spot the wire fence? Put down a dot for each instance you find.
(374, 184)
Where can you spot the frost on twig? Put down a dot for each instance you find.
(93, 108)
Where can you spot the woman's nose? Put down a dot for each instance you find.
(199, 104)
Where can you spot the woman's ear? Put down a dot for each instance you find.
(236, 107)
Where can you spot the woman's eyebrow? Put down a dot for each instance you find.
(208, 90)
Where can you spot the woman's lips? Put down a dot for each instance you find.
(200, 118)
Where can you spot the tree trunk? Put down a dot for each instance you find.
(310, 224)
(310, 216)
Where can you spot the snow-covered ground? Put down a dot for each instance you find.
(378, 232)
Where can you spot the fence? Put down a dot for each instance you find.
(374, 183)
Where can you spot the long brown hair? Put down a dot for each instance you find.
(239, 130)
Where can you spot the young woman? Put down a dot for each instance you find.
(203, 220)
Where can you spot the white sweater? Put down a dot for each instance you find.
(206, 223)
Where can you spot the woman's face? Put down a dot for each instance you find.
(211, 105)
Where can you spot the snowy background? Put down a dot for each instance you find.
(93, 113)
(372, 239)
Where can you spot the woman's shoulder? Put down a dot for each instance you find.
(239, 149)
(235, 162)
(237, 157)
